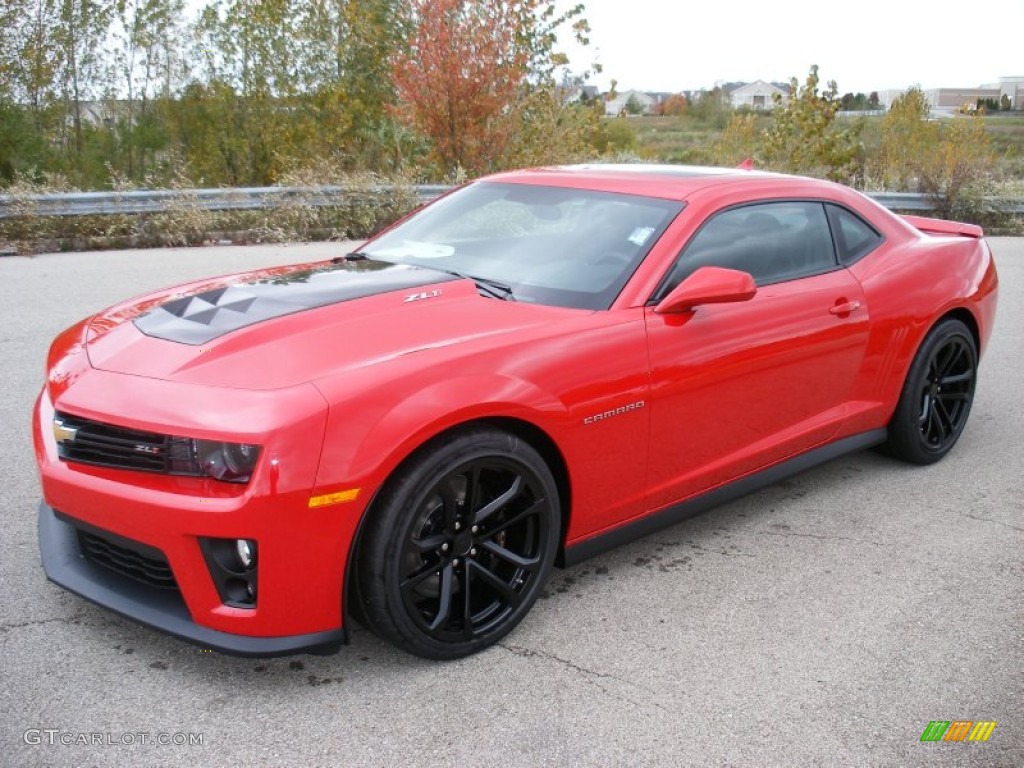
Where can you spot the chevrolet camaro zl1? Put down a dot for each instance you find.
(536, 367)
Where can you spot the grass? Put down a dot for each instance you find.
(685, 139)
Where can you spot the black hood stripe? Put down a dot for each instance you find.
(202, 317)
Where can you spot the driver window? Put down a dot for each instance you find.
(772, 241)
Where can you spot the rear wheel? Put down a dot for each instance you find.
(937, 395)
(461, 542)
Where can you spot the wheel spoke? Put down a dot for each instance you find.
(956, 351)
(500, 586)
(929, 428)
(534, 509)
(954, 396)
(529, 563)
(467, 604)
(413, 581)
(493, 506)
(445, 605)
(958, 378)
(472, 490)
(937, 430)
(945, 419)
(926, 408)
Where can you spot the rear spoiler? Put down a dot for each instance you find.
(943, 227)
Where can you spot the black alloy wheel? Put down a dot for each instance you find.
(937, 395)
(460, 545)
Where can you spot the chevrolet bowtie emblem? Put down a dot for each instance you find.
(63, 433)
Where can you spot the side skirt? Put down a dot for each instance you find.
(655, 521)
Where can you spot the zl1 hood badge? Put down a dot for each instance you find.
(424, 295)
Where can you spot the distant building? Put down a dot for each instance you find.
(618, 106)
(946, 99)
(756, 95)
(1012, 88)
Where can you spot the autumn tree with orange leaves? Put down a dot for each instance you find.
(471, 73)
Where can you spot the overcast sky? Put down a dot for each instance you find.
(865, 45)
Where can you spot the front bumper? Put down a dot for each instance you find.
(161, 609)
(303, 550)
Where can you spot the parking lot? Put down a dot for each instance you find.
(823, 621)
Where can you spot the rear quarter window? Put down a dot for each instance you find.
(855, 238)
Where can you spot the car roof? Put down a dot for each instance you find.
(674, 182)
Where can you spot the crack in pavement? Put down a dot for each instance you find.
(699, 548)
(990, 520)
(63, 620)
(590, 674)
(822, 536)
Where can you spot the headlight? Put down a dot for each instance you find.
(230, 462)
(233, 462)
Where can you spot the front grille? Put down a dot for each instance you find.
(106, 445)
(129, 558)
(110, 446)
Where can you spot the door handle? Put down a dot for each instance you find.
(845, 308)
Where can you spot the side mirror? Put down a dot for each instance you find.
(708, 285)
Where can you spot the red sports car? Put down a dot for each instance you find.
(532, 369)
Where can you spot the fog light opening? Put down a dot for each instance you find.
(240, 591)
(234, 569)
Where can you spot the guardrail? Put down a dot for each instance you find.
(255, 198)
(914, 201)
(162, 200)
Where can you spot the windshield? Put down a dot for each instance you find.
(549, 245)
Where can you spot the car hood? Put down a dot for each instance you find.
(286, 326)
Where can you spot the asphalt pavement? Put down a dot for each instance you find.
(823, 621)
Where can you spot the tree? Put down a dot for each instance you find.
(739, 140)
(805, 138)
(907, 138)
(712, 108)
(949, 161)
(474, 71)
(146, 66)
(674, 106)
(83, 29)
(248, 45)
(345, 68)
(1004, 103)
(633, 106)
(953, 175)
(37, 57)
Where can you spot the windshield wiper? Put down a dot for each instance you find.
(490, 287)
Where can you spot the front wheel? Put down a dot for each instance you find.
(937, 395)
(460, 544)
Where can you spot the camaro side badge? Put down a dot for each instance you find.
(424, 295)
(614, 412)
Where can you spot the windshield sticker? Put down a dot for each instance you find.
(415, 250)
(640, 235)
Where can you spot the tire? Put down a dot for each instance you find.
(461, 541)
(937, 395)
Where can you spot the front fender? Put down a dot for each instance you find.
(363, 450)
